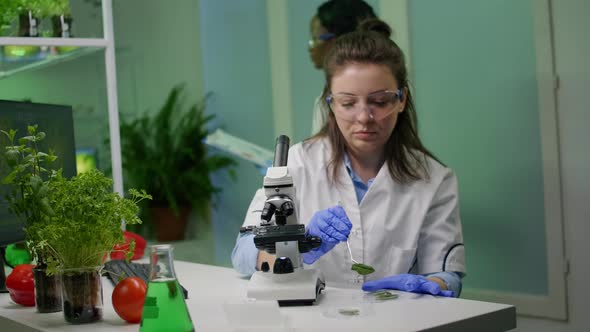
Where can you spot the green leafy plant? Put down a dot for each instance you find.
(33, 6)
(86, 222)
(28, 178)
(49, 8)
(7, 14)
(165, 154)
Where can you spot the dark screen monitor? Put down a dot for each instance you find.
(58, 124)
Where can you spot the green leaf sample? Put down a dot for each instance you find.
(362, 269)
(349, 312)
(385, 295)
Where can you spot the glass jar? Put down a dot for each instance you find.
(82, 295)
(47, 290)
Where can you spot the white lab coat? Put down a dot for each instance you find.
(396, 228)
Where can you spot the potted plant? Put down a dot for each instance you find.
(165, 154)
(85, 226)
(28, 175)
(28, 15)
(29, 12)
(60, 15)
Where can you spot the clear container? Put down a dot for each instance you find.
(82, 295)
(164, 308)
(47, 291)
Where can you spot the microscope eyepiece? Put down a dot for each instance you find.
(281, 151)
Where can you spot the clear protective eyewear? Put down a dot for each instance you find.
(380, 104)
(315, 41)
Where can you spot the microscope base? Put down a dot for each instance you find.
(300, 287)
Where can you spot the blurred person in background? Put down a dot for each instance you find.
(332, 19)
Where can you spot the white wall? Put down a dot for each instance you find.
(572, 51)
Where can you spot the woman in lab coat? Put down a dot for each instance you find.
(366, 177)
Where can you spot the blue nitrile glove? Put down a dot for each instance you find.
(408, 283)
(332, 226)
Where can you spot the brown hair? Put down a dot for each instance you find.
(405, 155)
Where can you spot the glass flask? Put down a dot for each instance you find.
(164, 308)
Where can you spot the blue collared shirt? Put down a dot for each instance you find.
(245, 259)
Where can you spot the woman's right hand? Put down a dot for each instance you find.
(332, 226)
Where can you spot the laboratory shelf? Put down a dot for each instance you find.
(85, 46)
(48, 56)
(41, 41)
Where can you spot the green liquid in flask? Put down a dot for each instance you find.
(164, 308)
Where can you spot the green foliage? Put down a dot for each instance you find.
(7, 14)
(23, 6)
(42, 8)
(49, 8)
(87, 220)
(165, 154)
(28, 178)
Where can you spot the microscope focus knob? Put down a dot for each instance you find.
(288, 208)
(283, 265)
(264, 267)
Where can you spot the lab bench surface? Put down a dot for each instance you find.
(217, 302)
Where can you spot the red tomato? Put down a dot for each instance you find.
(128, 297)
(21, 285)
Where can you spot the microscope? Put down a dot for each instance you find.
(288, 282)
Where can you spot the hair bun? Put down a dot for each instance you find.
(375, 25)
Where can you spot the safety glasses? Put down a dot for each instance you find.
(379, 104)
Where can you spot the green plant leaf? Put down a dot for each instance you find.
(362, 269)
(383, 295)
(10, 134)
(9, 179)
(32, 130)
(25, 139)
(12, 155)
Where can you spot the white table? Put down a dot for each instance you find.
(217, 302)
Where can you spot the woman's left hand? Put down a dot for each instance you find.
(408, 283)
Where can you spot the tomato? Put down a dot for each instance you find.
(21, 285)
(128, 297)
